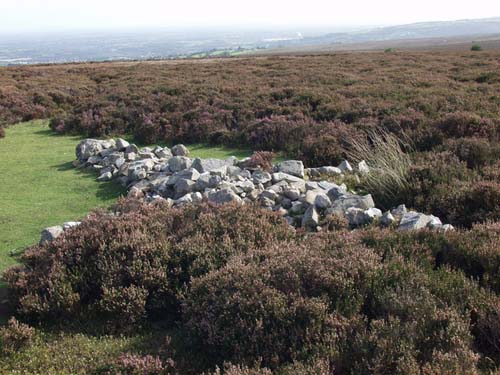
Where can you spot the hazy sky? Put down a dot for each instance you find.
(27, 15)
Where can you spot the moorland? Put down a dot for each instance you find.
(151, 289)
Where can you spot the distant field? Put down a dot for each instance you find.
(40, 187)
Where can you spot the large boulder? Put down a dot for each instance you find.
(293, 167)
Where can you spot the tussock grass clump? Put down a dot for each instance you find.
(389, 161)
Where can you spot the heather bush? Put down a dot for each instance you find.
(262, 160)
(476, 152)
(133, 264)
(278, 305)
(385, 317)
(15, 336)
(464, 124)
(442, 185)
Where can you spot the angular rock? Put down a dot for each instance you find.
(87, 148)
(223, 196)
(178, 163)
(71, 224)
(310, 220)
(373, 213)
(208, 165)
(387, 219)
(356, 216)
(363, 167)
(293, 167)
(280, 176)
(414, 220)
(106, 176)
(345, 166)
(344, 202)
(121, 144)
(322, 201)
(261, 177)
(183, 186)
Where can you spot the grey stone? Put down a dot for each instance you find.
(130, 156)
(356, 216)
(280, 176)
(87, 148)
(345, 166)
(50, 234)
(180, 150)
(233, 171)
(132, 148)
(387, 219)
(183, 186)
(363, 167)
(178, 163)
(414, 220)
(261, 177)
(208, 165)
(434, 223)
(71, 224)
(270, 194)
(190, 174)
(121, 144)
(322, 201)
(330, 171)
(106, 176)
(310, 220)
(279, 187)
(399, 211)
(223, 196)
(185, 199)
(292, 194)
(372, 214)
(297, 208)
(344, 202)
(293, 167)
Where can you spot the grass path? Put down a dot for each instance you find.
(39, 187)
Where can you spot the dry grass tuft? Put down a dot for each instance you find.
(389, 160)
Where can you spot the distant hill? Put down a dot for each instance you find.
(422, 30)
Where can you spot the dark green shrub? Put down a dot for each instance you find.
(476, 47)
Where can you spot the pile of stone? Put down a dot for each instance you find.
(161, 173)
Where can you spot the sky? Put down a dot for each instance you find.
(47, 15)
